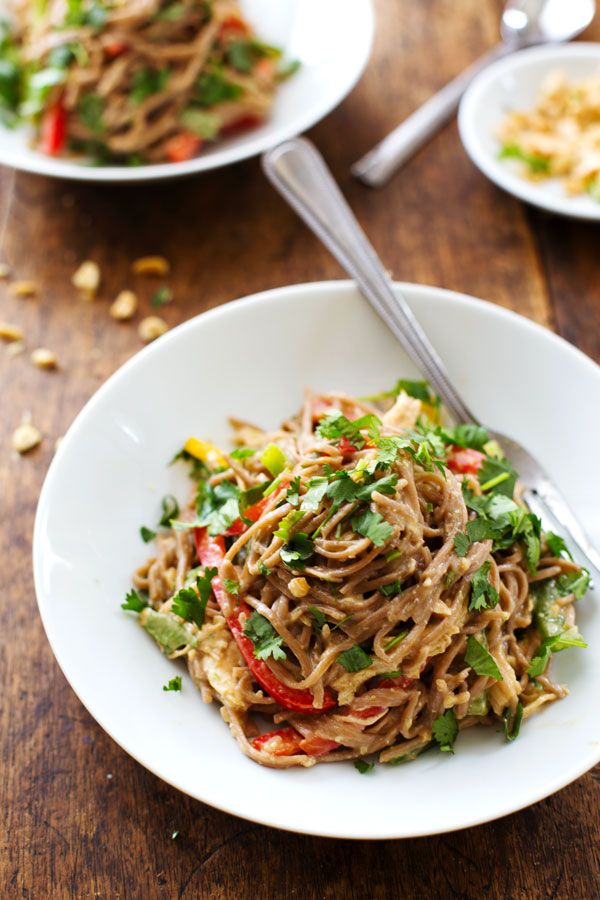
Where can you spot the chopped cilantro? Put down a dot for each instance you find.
(264, 570)
(556, 544)
(173, 685)
(483, 594)
(318, 618)
(576, 583)
(135, 601)
(336, 426)
(212, 88)
(390, 590)
(444, 730)
(512, 722)
(363, 766)
(354, 659)
(536, 164)
(317, 488)
(461, 544)
(395, 640)
(191, 606)
(481, 660)
(91, 109)
(298, 549)
(232, 587)
(292, 495)
(466, 435)
(373, 526)
(163, 295)
(242, 453)
(497, 474)
(146, 82)
(170, 510)
(264, 637)
(147, 534)
(553, 644)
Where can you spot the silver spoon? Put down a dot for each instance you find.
(524, 23)
(299, 173)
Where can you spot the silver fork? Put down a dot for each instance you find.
(300, 174)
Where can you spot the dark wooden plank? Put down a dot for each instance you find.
(82, 819)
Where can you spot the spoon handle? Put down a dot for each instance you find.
(380, 163)
(299, 172)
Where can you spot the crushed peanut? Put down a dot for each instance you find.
(87, 279)
(10, 332)
(124, 306)
(152, 327)
(44, 358)
(299, 587)
(24, 289)
(151, 265)
(26, 437)
(4, 270)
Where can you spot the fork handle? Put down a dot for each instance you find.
(298, 171)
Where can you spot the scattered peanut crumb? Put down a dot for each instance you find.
(44, 358)
(87, 279)
(4, 270)
(152, 327)
(24, 289)
(299, 587)
(26, 437)
(151, 265)
(15, 349)
(124, 306)
(10, 332)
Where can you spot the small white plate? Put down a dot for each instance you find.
(332, 40)
(253, 359)
(514, 83)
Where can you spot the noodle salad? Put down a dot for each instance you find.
(134, 81)
(362, 583)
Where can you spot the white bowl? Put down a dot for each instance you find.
(514, 83)
(332, 41)
(252, 359)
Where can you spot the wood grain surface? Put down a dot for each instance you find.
(79, 817)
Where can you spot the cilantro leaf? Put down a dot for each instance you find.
(317, 488)
(232, 587)
(318, 617)
(444, 730)
(498, 475)
(373, 526)
(264, 570)
(385, 485)
(363, 766)
(420, 390)
(147, 534)
(556, 544)
(91, 110)
(336, 426)
(512, 722)
(135, 601)
(481, 660)
(461, 544)
(212, 88)
(483, 594)
(576, 583)
(554, 644)
(264, 637)
(292, 495)
(170, 510)
(466, 435)
(536, 164)
(242, 453)
(191, 606)
(354, 659)
(390, 590)
(173, 685)
(147, 81)
(297, 550)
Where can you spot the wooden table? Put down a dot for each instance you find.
(83, 819)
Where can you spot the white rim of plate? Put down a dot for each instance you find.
(227, 155)
(494, 169)
(288, 293)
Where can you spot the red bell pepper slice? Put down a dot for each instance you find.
(253, 513)
(465, 460)
(182, 146)
(54, 128)
(400, 681)
(287, 742)
(211, 551)
(115, 48)
(233, 24)
(243, 123)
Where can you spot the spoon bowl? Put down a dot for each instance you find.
(528, 22)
